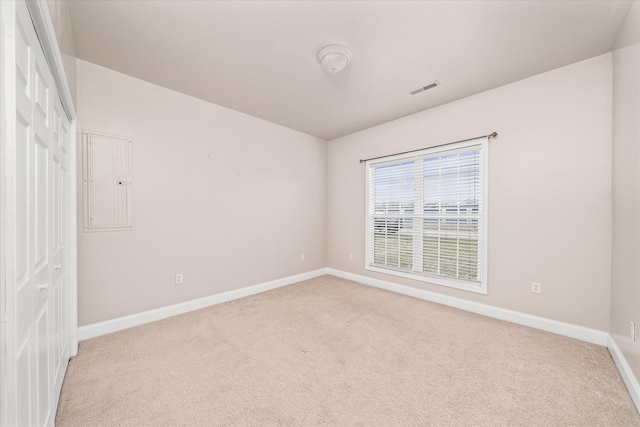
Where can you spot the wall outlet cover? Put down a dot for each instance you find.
(536, 287)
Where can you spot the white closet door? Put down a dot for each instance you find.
(39, 329)
(59, 296)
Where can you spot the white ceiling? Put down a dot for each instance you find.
(259, 57)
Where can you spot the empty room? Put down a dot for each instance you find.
(303, 213)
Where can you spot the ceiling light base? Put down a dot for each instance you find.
(334, 58)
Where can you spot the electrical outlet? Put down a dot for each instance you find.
(350, 257)
(536, 287)
(632, 330)
(301, 257)
(178, 279)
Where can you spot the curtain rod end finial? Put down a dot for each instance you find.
(493, 135)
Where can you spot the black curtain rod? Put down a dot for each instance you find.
(491, 135)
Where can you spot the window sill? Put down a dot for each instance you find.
(479, 288)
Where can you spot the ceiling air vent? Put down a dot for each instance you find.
(428, 86)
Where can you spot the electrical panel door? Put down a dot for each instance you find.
(107, 182)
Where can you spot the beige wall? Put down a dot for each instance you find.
(549, 189)
(224, 198)
(62, 26)
(625, 277)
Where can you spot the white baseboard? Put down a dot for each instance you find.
(581, 333)
(629, 378)
(114, 325)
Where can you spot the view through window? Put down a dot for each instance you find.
(425, 215)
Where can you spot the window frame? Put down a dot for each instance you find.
(480, 287)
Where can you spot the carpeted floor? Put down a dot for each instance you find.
(332, 352)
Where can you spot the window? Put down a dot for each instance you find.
(427, 215)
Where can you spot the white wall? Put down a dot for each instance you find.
(549, 189)
(625, 277)
(224, 198)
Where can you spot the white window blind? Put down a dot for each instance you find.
(426, 215)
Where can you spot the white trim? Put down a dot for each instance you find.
(41, 17)
(114, 325)
(484, 262)
(73, 239)
(628, 377)
(436, 280)
(7, 212)
(480, 287)
(581, 333)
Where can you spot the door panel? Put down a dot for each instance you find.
(39, 323)
(59, 251)
(42, 82)
(55, 148)
(24, 392)
(65, 296)
(64, 200)
(23, 57)
(54, 295)
(22, 201)
(43, 374)
(25, 296)
(24, 292)
(55, 238)
(41, 196)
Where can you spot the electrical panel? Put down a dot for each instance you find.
(106, 181)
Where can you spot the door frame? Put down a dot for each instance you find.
(6, 72)
(41, 17)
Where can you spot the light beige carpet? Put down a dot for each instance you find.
(336, 353)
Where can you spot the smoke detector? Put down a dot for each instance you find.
(334, 58)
